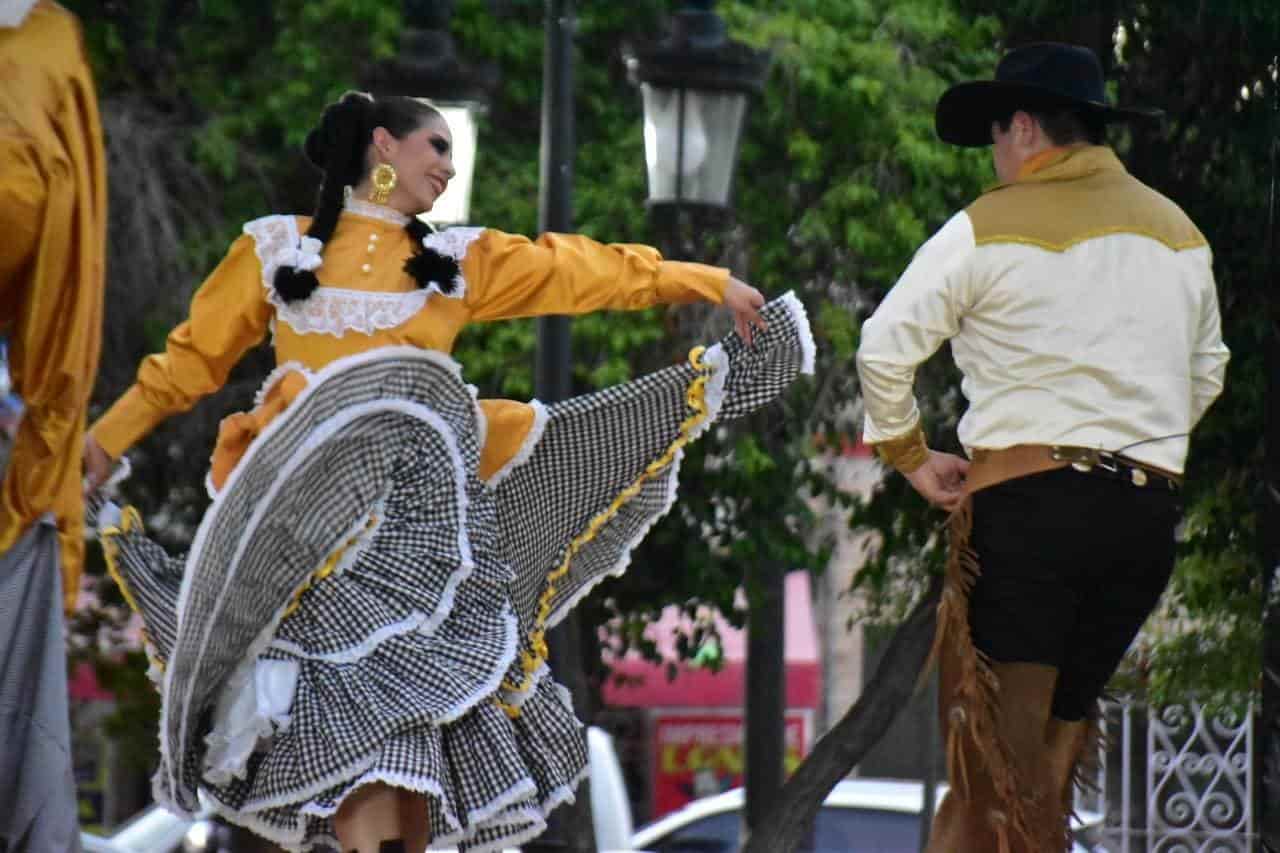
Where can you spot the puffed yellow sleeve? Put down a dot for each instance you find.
(229, 315)
(511, 276)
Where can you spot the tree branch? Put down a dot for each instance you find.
(791, 817)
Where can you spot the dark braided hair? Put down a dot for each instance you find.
(338, 147)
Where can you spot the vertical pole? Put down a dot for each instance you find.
(1126, 771)
(1268, 741)
(555, 198)
(680, 147)
(569, 828)
(930, 770)
(766, 689)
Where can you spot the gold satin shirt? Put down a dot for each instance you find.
(53, 217)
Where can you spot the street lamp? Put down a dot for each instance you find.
(454, 205)
(427, 66)
(694, 83)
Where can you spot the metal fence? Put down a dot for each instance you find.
(1178, 779)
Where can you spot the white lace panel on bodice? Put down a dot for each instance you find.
(336, 310)
(328, 310)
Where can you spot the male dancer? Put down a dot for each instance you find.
(1081, 309)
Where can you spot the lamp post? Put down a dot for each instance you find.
(569, 828)
(695, 84)
(428, 66)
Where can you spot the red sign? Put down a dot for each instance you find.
(701, 754)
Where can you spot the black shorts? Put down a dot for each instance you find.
(1072, 564)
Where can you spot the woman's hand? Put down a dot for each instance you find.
(97, 465)
(745, 303)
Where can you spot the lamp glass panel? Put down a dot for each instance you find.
(454, 205)
(700, 169)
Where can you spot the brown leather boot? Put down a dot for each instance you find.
(1001, 800)
(1070, 748)
(1026, 698)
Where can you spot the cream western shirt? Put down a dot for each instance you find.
(1081, 309)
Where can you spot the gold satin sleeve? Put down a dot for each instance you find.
(510, 276)
(53, 221)
(229, 315)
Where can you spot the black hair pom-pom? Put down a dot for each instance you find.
(429, 266)
(293, 284)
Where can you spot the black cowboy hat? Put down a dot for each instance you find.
(1044, 75)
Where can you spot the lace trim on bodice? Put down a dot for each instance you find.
(328, 310)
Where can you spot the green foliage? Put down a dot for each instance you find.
(840, 179)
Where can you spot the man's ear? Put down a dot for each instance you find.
(1024, 127)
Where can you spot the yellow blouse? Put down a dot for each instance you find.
(366, 300)
(52, 246)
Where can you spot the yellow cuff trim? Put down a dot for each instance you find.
(906, 453)
(531, 661)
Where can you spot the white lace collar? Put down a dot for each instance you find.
(376, 211)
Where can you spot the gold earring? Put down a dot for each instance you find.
(384, 181)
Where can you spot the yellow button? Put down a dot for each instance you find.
(1139, 477)
(367, 268)
(373, 237)
(372, 248)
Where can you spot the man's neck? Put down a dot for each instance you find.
(1045, 157)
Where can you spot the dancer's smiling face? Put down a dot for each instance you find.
(423, 160)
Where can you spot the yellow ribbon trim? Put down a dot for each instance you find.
(130, 521)
(1174, 245)
(327, 568)
(532, 661)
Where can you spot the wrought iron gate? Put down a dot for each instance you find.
(1178, 779)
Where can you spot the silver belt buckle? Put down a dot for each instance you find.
(1083, 459)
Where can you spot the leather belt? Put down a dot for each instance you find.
(989, 467)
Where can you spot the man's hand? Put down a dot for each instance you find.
(97, 465)
(745, 303)
(940, 480)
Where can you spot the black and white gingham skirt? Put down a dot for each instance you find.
(414, 656)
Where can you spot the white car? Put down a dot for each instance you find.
(862, 815)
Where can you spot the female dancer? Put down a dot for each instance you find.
(352, 654)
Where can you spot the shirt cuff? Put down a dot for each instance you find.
(125, 423)
(680, 282)
(906, 453)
